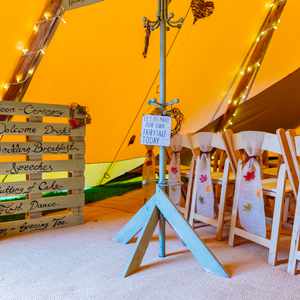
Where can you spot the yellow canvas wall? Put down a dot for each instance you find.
(96, 60)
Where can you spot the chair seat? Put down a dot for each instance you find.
(270, 186)
(218, 176)
(271, 172)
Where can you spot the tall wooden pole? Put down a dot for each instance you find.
(29, 61)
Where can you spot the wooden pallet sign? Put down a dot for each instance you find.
(41, 201)
(71, 4)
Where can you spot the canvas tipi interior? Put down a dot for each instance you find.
(94, 58)
(89, 62)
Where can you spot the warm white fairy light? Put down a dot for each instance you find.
(21, 78)
(21, 47)
(269, 5)
(47, 15)
(36, 28)
(255, 66)
(63, 20)
(5, 86)
(31, 71)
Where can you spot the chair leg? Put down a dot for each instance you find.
(234, 212)
(275, 235)
(233, 222)
(193, 205)
(220, 225)
(222, 203)
(286, 210)
(277, 217)
(292, 265)
(189, 193)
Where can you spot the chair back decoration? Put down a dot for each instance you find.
(249, 183)
(174, 169)
(203, 182)
(149, 175)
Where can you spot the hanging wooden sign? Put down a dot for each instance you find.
(71, 4)
(41, 203)
(156, 130)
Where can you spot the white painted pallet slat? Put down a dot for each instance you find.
(40, 186)
(39, 224)
(43, 166)
(32, 148)
(34, 109)
(28, 109)
(71, 4)
(33, 129)
(8, 208)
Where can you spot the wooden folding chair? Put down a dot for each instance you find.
(272, 188)
(221, 172)
(291, 144)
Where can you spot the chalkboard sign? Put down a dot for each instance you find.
(156, 130)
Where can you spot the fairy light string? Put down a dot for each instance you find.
(42, 32)
(250, 69)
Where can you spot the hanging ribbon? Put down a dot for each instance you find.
(147, 27)
(250, 190)
(149, 175)
(174, 170)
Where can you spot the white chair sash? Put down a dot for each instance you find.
(250, 190)
(205, 198)
(174, 170)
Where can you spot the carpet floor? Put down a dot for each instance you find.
(83, 262)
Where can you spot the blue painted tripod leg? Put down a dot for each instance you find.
(143, 242)
(204, 256)
(162, 236)
(136, 223)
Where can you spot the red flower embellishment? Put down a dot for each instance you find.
(203, 178)
(74, 123)
(174, 170)
(250, 176)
